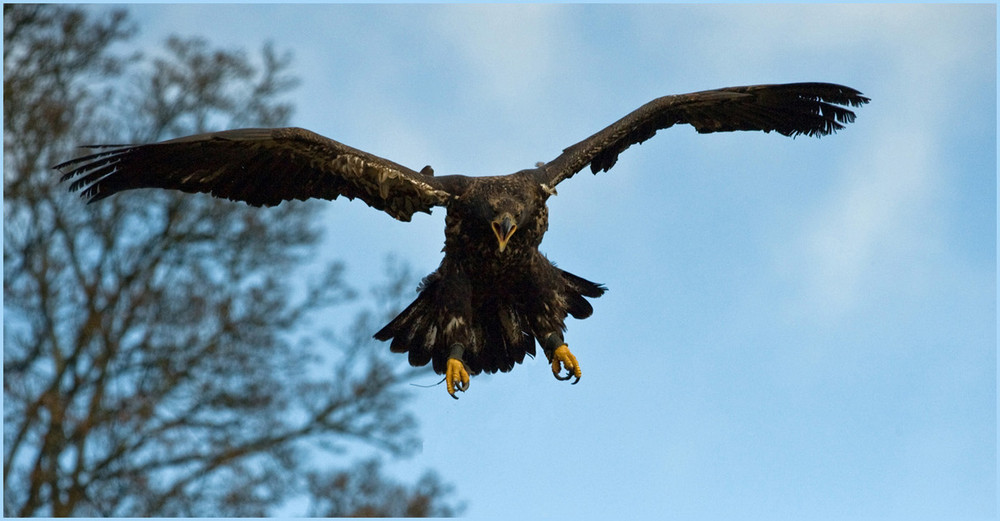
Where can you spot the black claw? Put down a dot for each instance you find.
(564, 378)
(455, 396)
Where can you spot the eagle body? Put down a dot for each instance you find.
(495, 303)
(494, 296)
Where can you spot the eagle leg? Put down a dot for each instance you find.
(564, 356)
(456, 377)
(559, 354)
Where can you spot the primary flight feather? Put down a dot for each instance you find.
(494, 295)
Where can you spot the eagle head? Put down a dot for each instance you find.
(497, 208)
(505, 214)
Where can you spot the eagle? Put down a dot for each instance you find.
(494, 295)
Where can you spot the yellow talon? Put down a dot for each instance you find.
(455, 373)
(568, 361)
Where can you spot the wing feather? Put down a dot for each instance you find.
(261, 167)
(813, 109)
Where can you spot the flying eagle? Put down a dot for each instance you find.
(494, 294)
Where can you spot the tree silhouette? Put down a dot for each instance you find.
(159, 356)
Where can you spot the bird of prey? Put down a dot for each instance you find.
(494, 294)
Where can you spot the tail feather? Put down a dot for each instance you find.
(505, 339)
(408, 325)
(498, 337)
(578, 288)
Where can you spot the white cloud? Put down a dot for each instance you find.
(881, 228)
(876, 221)
(508, 48)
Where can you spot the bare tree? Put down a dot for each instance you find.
(365, 492)
(157, 353)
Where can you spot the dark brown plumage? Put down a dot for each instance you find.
(494, 294)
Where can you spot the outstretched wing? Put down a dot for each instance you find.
(813, 109)
(261, 167)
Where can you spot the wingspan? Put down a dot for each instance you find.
(813, 109)
(261, 167)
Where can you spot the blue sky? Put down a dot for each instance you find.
(795, 329)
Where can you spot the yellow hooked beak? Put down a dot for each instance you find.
(503, 228)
